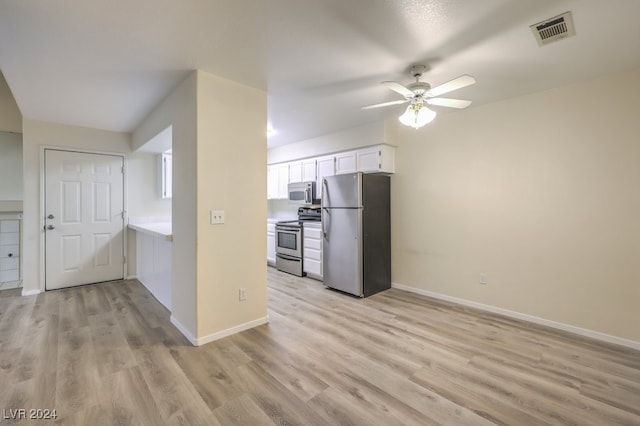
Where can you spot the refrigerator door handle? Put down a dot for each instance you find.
(322, 221)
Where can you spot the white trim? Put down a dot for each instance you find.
(131, 277)
(229, 331)
(517, 315)
(217, 335)
(30, 292)
(182, 329)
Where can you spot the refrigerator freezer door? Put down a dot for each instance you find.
(342, 190)
(342, 250)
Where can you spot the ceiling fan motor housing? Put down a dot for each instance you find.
(419, 87)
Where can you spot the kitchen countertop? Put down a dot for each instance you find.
(156, 229)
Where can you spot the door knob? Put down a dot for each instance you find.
(50, 227)
(50, 216)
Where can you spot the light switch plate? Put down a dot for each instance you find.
(217, 217)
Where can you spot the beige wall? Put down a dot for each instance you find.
(35, 135)
(179, 110)
(10, 166)
(541, 193)
(231, 164)
(10, 116)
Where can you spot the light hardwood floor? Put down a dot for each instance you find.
(106, 354)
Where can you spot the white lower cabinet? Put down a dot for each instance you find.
(153, 266)
(9, 253)
(271, 244)
(312, 250)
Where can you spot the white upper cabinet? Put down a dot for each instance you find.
(376, 159)
(326, 167)
(309, 171)
(277, 181)
(372, 159)
(346, 163)
(295, 172)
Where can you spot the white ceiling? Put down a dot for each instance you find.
(106, 63)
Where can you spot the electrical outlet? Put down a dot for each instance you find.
(483, 278)
(217, 217)
(242, 294)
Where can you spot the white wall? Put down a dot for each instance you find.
(35, 135)
(541, 193)
(179, 110)
(10, 116)
(10, 166)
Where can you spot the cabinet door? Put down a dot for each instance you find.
(369, 160)
(295, 172)
(376, 159)
(272, 182)
(309, 171)
(346, 163)
(326, 167)
(283, 181)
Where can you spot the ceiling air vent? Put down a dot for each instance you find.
(554, 29)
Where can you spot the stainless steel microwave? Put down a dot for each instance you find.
(302, 193)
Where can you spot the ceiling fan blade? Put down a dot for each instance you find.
(399, 88)
(451, 103)
(384, 104)
(450, 86)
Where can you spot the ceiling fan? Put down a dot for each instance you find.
(421, 93)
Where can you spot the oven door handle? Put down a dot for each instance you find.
(287, 257)
(288, 228)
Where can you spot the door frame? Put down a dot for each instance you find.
(41, 209)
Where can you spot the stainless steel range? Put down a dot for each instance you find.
(289, 237)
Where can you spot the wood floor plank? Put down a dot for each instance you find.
(211, 375)
(107, 354)
(110, 345)
(77, 380)
(278, 403)
(173, 393)
(242, 411)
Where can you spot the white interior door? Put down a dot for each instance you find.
(84, 220)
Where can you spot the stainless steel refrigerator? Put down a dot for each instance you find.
(356, 233)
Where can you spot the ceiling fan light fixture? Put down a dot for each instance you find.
(417, 115)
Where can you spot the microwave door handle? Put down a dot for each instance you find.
(307, 196)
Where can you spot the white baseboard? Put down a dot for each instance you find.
(26, 292)
(229, 331)
(131, 277)
(517, 315)
(217, 335)
(182, 329)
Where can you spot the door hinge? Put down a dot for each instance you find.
(122, 215)
(124, 259)
(122, 169)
